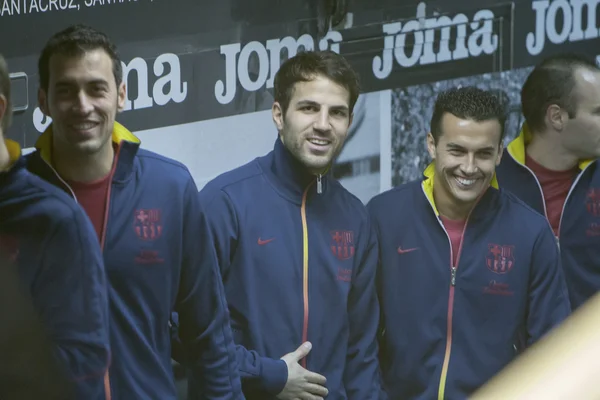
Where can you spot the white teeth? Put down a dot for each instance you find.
(318, 141)
(84, 126)
(465, 182)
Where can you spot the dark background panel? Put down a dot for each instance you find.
(196, 31)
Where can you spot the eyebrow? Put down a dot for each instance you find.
(454, 146)
(68, 82)
(314, 103)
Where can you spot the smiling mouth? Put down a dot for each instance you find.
(319, 142)
(464, 182)
(84, 126)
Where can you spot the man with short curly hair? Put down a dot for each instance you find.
(467, 272)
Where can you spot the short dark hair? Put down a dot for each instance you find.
(468, 102)
(5, 91)
(73, 41)
(306, 66)
(552, 82)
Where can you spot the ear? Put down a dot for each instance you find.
(500, 152)
(431, 145)
(3, 106)
(350, 120)
(277, 113)
(121, 97)
(43, 102)
(556, 117)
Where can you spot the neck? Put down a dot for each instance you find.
(4, 155)
(83, 167)
(448, 208)
(549, 154)
(318, 172)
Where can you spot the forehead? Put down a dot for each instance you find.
(468, 133)
(89, 65)
(321, 90)
(587, 85)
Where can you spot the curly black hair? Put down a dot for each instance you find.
(468, 102)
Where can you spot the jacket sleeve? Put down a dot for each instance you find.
(362, 374)
(204, 328)
(71, 295)
(256, 371)
(548, 298)
(27, 353)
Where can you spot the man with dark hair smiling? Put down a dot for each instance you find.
(145, 209)
(297, 251)
(467, 271)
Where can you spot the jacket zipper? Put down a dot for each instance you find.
(305, 266)
(305, 259)
(319, 185)
(107, 387)
(453, 269)
(538, 184)
(61, 180)
(562, 213)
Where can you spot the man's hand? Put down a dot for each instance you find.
(301, 383)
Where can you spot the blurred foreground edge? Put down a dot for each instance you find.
(563, 365)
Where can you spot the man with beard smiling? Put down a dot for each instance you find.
(297, 251)
(467, 271)
(145, 209)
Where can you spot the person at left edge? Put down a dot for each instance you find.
(145, 208)
(53, 247)
(29, 369)
(467, 271)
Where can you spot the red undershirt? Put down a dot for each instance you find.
(93, 197)
(455, 231)
(555, 186)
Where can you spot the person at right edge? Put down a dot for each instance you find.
(467, 270)
(552, 164)
(297, 252)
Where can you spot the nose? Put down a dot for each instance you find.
(321, 123)
(469, 167)
(83, 105)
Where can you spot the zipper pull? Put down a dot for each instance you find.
(453, 281)
(319, 185)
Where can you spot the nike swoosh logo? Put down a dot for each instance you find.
(263, 242)
(404, 251)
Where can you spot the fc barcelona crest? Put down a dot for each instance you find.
(342, 244)
(592, 202)
(500, 259)
(147, 224)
